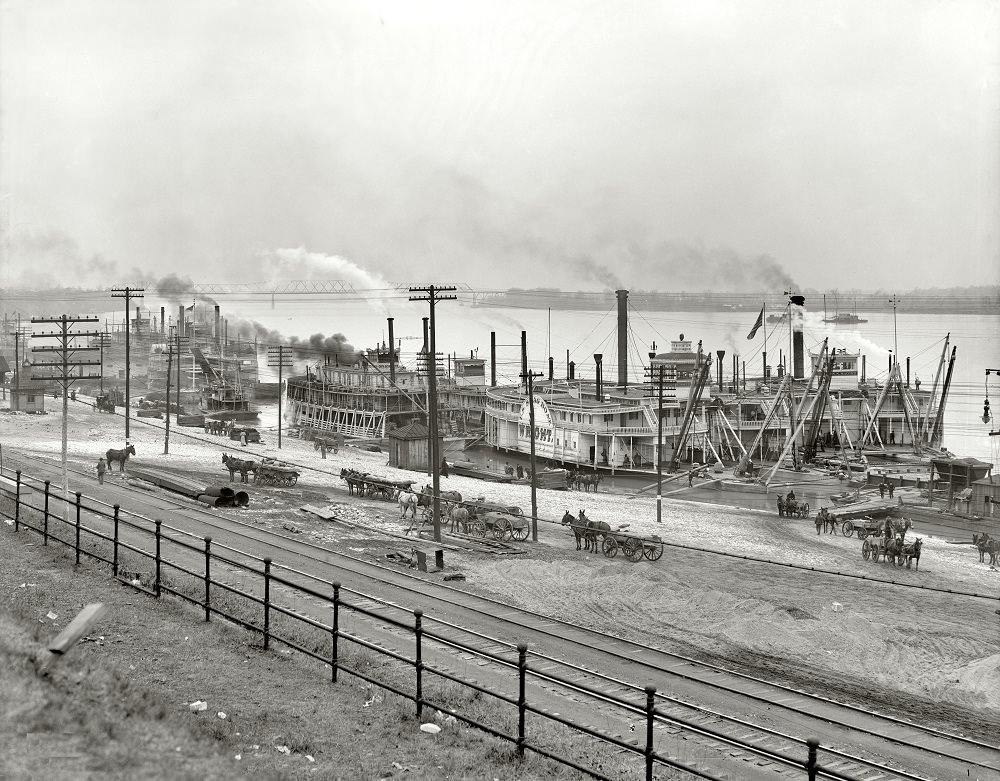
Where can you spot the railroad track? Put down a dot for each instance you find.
(733, 721)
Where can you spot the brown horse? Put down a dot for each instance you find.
(121, 456)
(585, 481)
(459, 518)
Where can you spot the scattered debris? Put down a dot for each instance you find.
(291, 527)
(198, 706)
(432, 729)
(283, 749)
(51, 616)
(456, 576)
(238, 757)
(310, 758)
(221, 715)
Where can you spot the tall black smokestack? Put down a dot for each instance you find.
(622, 337)
(721, 354)
(493, 359)
(572, 370)
(796, 311)
(552, 368)
(392, 353)
(163, 321)
(524, 359)
(218, 327)
(600, 384)
(180, 321)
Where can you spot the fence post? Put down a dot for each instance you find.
(156, 582)
(208, 577)
(77, 527)
(522, 702)
(45, 521)
(418, 630)
(650, 715)
(813, 744)
(17, 501)
(267, 602)
(335, 630)
(114, 556)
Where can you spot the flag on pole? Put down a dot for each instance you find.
(757, 325)
(190, 308)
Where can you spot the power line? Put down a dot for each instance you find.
(128, 293)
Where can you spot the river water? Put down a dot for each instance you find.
(464, 329)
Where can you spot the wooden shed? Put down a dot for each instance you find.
(958, 477)
(26, 394)
(408, 446)
(985, 498)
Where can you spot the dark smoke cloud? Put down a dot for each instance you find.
(313, 348)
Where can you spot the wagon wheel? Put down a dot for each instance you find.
(520, 533)
(866, 549)
(652, 552)
(900, 561)
(478, 528)
(862, 532)
(847, 528)
(502, 529)
(295, 478)
(633, 549)
(610, 547)
(290, 479)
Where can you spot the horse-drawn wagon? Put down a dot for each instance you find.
(634, 548)
(500, 525)
(104, 403)
(793, 507)
(268, 473)
(866, 527)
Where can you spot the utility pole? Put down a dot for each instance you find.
(62, 364)
(104, 338)
(529, 379)
(166, 430)
(280, 356)
(433, 295)
(895, 344)
(659, 438)
(128, 293)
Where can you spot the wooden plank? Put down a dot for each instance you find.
(78, 627)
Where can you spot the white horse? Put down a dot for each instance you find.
(408, 501)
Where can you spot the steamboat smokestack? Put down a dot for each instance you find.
(524, 359)
(163, 321)
(599, 391)
(572, 370)
(721, 354)
(493, 359)
(218, 326)
(392, 353)
(181, 330)
(622, 338)
(796, 311)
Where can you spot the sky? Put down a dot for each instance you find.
(738, 145)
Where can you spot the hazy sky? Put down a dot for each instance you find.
(737, 144)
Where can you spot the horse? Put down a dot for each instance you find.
(912, 553)
(579, 529)
(459, 518)
(587, 480)
(235, 465)
(987, 547)
(900, 526)
(592, 529)
(121, 456)
(408, 501)
(354, 479)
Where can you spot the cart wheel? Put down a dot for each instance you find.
(866, 550)
(862, 533)
(847, 528)
(633, 549)
(652, 551)
(610, 547)
(900, 561)
(477, 528)
(520, 534)
(502, 529)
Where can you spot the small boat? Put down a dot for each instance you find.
(845, 318)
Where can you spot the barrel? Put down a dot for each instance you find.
(216, 501)
(241, 499)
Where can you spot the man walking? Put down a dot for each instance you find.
(891, 489)
(881, 489)
(102, 467)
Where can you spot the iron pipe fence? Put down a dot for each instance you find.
(173, 553)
